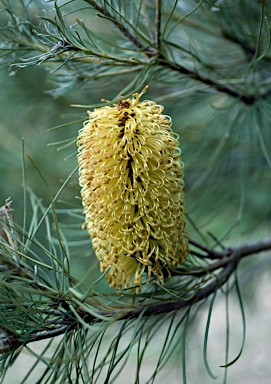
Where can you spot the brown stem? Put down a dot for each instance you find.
(201, 294)
(247, 99)
(226, 265)
(162, 61)
(158, 23)
(105, 13)
(211, 253)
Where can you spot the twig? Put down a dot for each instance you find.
(203, 293)
(149, 310)
(211, 253)
(158, 23)
(247, 99)
(248, 249)
(229, 260)
(162, 61)
(105, 13)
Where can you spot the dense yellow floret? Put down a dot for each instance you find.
(132, 191)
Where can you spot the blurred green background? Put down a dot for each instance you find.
(28, 111)
(225, 196)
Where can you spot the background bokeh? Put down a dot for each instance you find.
(234, 208)
(28, 111)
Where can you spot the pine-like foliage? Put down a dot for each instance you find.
(208, 64)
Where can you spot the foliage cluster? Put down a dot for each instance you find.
(208, 63)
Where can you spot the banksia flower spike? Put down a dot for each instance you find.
(132, 191)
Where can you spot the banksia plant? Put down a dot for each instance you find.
(132, 191)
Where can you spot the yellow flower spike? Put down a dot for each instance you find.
(132, 191)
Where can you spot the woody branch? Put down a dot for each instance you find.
(228, 261)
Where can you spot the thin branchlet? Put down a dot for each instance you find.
(221, 271)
